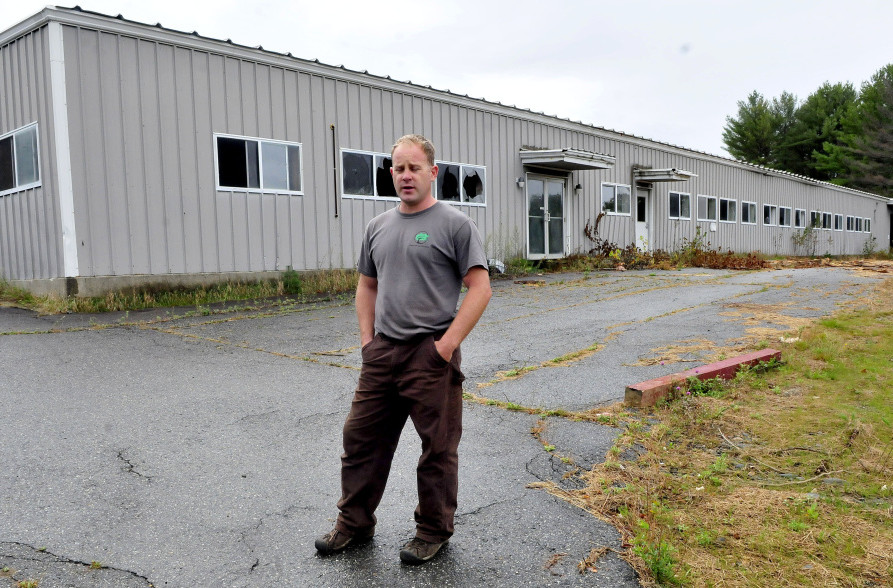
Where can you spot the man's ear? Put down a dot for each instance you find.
(434, 170)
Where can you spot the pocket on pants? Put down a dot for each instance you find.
(437, 356)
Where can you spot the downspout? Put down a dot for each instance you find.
(334, 168)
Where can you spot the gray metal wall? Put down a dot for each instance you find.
(144, 104)
(740, 182)
(30, 241)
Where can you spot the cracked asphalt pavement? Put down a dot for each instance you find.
(178, 448)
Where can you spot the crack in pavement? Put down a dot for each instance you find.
(130, 468)
(176, 332)
(484, 507)
(50, 567)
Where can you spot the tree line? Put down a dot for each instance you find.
(837, 134)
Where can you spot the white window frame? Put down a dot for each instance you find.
(858, 224)
(707, 200)
(866, 225)
(773, 215)
(781, 210)
(616, 201)
(679, 196)
(260, 166)
(815, 219)
(462, 167)
(838, 222)
(752, 207)
(827, 224)
(850, 223)
(12, 135)
(800, 218)
(727, 201)
(375, 195)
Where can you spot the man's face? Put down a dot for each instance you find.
(412, 175)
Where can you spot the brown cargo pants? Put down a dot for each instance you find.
(401, 379)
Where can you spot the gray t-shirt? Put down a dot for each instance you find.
(419, 261)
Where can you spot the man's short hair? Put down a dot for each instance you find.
(419, 140)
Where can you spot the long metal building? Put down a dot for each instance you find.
(132, 154)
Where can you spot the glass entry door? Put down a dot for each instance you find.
(545, 217)
(642, 220)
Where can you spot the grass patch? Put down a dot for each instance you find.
(778, 477)
(301, 286)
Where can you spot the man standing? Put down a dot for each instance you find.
(413, 262)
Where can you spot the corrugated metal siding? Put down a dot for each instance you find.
(143, 114)
(30, 241)
(143, 119)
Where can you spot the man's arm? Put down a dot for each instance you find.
(367, 291)
(477, 280)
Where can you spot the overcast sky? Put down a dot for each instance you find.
(666, 70)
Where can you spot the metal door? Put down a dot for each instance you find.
(545, 217)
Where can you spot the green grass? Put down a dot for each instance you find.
(730, 489)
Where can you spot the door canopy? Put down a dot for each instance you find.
(566, 159)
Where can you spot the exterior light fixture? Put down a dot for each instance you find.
(520, 182)
(577, 189)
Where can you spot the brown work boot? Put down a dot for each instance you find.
(418, 551)
(335, 541)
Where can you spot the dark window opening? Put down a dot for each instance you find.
(473, 185)
(384, 182)
(7, 165)
(357, 173)
(232, 162)
(448, 182)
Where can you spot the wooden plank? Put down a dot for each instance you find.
(649, 392)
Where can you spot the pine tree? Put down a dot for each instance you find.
(871, 158)
(819, 120)
(750, 137)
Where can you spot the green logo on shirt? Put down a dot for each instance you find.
(421, 238)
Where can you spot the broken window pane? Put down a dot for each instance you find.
(448, 182)
(473, 184)
(384, 182)
(356, 169)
